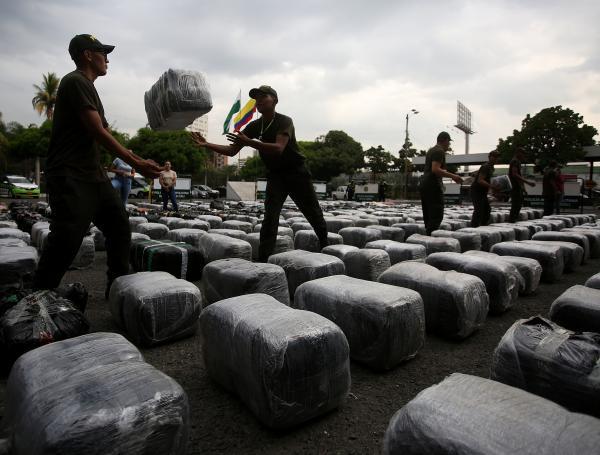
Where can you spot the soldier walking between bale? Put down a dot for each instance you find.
(78, 187)
(273, 135)
(479, 191)
(516, 182)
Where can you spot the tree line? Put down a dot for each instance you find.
(554, 133)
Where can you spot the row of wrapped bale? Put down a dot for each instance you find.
(155, 307)
(384, 324)
(501, 278)
(285, 364)
(467, 240)
(550, 257)
(578, 309)
(15, 233)
(307, 240)
(398, 251)
(456, 304)
(573, 254)
(31, 319)
(593, 237)
(466, 414)
(93, 394)
(226, 278)
(543, 358)
(566, 237)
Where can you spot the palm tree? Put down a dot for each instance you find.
(44, 101)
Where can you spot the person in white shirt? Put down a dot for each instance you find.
(168, 180)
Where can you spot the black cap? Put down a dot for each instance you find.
(266, 89)
(443, 136)
(85, 42)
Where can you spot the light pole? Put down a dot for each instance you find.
(406, 148)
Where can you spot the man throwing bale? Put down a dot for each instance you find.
(274, 137)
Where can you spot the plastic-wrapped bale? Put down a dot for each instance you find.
(577, 309)
(86, 254)
(367, 264)
(286, 365)
(281, 230)
(308, 240)
(334, 224)
(467, 240)
(282, 243)
(500, 278)
(502, 182)
(507, 234)
(521, 232)
(301, 226)
(456, 304)
(435, 244)
(301, 266)
(532, 356)
(94, 394)
(560, 222)
(11, 241)
(135, 220)
(239, 225)
(247, 218)
(339, 251)
(532, 227)
(136, 237)
(193, 224)
(398, 251)
(228, 278)
(36, 229)
(530, 270)
(572, 253)
(550, 257)
(358, 236)
(234, 233)
(593, 237)
(488, 237)
(572, 237)
(155, 307)
(544, 224)
(156, 231)
(593, 281)
(411, 228)
(8, 224)
(389, 233)
(457, 224)
(214, 221)
(15, 233)
(171, 222)
(37, 319)
(217, 246)
(177, 99)
(364, 222)
(384, 325)
(186, 235)
(99, 240)
(469, 415)
(17, 265)
(178, 258)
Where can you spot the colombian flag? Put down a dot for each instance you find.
(244, 115)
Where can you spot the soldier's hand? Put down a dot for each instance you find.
(458, 179)
(198, 139)
(239, 139)
(149, 169)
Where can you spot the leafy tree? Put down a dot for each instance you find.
(253, 169)
(378, 160)
(332, 154)
(173, 146)
(554, 133)
(30, 142)
(45, 95)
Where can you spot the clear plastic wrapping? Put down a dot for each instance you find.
(156, 231)
(521, 232)
(572, 237)
(15, 233)
(94, 394)
(217, 246)
(435, 244)
(186, 235)
(177, 99)
(233, 233)
(398, 251)
(286, 365)
(135, 220)
(456, 304)
(12, 242)
(384, 325)
(301, 266)
(214, 221)
(577, 309)
(334, 224)
(469, 415)
(367, 264)
(529, 270)
(226, 278)
(339, 251)
(178, 258)
(489, 237)
(193, 224)
(86, 254)
(500, 278)
(411, 228)
(307, 240)
(593, 237)
(155, 307)
(593, 281)
(359, 236)
(99, 240)
(467, 240)
(543, 358)
(172, 222)
(36, 229)
(550, 257)
(17, 265)
(239, 225)
(282, 243)
(389, 233)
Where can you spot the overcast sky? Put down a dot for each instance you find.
(356, 66)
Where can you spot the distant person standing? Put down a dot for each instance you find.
(431, 188)
(122, 178)
(479, 191)
(78, 188)
(382, 189)
(550, 187)
(560, 185)
(168, 180)
(516, 182)
(350, 191)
